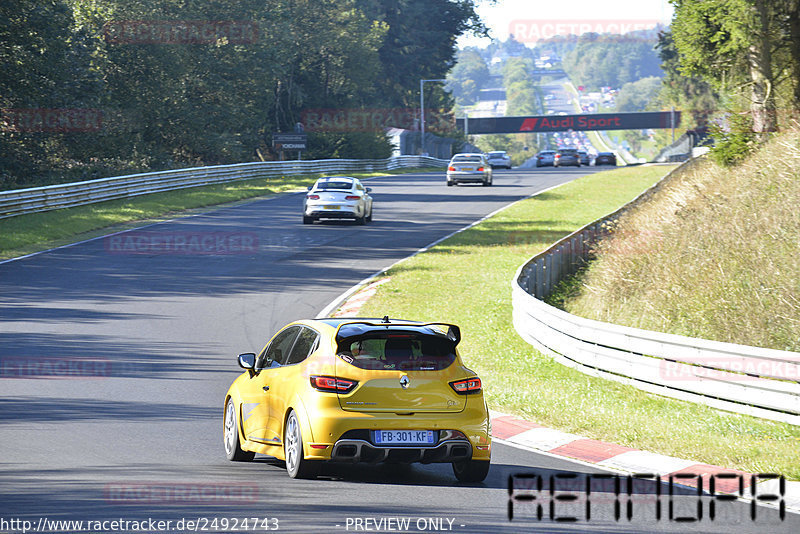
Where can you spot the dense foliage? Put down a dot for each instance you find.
(168, 98)
(747, 50)
(469, 75)
(611, 61)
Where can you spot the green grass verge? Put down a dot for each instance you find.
(25, 234)
(467, 280)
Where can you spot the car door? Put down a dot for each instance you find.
(256, 391)
(286, 380)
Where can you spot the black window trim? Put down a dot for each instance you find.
(314, 345)
(266, 349)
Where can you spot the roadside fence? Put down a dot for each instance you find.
(31, 200)
(743, 379)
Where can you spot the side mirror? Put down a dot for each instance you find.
(247, 361)
(309, 188)
(369, 190)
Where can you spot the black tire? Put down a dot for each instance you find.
(308, 220)
(361, 221)
(230, 436)
(296, 464)
(450, 183)
(487, 183)
(471, 470)
(369, 217)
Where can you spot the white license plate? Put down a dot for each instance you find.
(467, 168)
(333, 207)
(405, 437)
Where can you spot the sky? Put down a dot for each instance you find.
(544, 17)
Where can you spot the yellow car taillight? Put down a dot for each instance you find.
(332, 384)
(466, 387)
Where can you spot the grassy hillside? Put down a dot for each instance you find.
(715, 255)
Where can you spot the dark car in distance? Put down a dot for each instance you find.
(605, 158)
(567, 156)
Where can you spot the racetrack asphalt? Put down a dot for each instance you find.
(116, 355)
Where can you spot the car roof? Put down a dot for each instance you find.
(468, 154)
(497, 152)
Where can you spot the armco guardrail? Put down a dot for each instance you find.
(22, 201)
(738, 378)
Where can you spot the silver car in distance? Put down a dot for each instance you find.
(499, 158)
(337, 197)
(466, 168)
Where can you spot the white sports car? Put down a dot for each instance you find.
(337, 197)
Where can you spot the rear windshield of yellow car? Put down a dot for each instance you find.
(399, 352)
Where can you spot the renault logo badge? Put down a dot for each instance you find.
(404, 381)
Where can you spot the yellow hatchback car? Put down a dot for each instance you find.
(359, 390)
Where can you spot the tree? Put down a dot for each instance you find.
(607, 60)
(636, 96)
(694, 96)
(730, 43)
(468, 76)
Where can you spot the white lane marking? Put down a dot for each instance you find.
(544, 438)
(646, 462)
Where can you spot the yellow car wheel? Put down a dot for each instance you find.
(233, 449)
(471, 470)
(296, 464)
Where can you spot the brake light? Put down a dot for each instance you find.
(557, 156)
(352, 197)
(332, 384)
(451, 168)
(312, 197)
(465, 387)
(480, 169)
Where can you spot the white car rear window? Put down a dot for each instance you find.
(335, 184)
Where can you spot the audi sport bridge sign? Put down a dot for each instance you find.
(561, 123)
